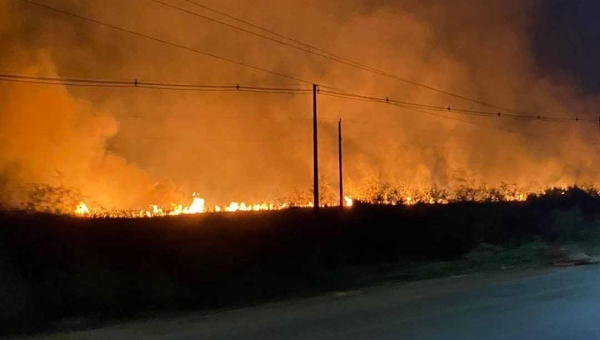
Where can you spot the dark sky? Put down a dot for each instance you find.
(567, 37)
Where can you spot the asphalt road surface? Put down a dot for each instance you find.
(551, 304)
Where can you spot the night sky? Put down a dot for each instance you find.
(567, 38)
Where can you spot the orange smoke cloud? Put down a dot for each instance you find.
(115, 145)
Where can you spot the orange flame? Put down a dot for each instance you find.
(82, 209)
(199, 206)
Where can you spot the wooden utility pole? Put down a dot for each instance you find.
(315, 150)
(340, 163)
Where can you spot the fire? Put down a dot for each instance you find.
(198, 206)
(82, 209)
(234, 206)
(384, 196)
(156, 210)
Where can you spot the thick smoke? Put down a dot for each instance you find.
(130, 147)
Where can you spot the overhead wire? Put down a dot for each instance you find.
(44, 80)
(65, 79)
(335, 17)
(472, 123)
(64, 83)
(219, 22)
(169, 43)
(388, 100)
(479, 125)
(423, 111)
(421, 108)
(245, 22)
(316, 51)
(70, 81)
(347, 95)
(337, 58)
(339, 92)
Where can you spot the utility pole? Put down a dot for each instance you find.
(340, 163)
(315, 149)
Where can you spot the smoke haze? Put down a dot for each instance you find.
(131, 147)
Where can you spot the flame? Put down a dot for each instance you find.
(82, 209)
(156, 210)
(387, 197)
(234, 206)
(198, 206)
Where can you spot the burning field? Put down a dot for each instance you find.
(99, 269)
(198, 206)
(113, 151)
(158, 155)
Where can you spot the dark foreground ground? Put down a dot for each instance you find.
(514, 305)
(56, 268)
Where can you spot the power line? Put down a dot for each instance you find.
(348, 95)
(66, 79)
(165, 42)
(519, 132)
(94, 83)
(317, 51)
(245, 30)
(237, 88)
(423, 111)
(475, 124)
(87, 82)
(63, 84)
(110, 84)
(337, 18)
(44, 80)
(246, 23)
(387, 100)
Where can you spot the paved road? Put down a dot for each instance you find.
(554, 304)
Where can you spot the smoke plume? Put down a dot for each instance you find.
(129, 147)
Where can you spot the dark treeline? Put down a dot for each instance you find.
(54, 267)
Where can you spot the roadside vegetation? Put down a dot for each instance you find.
(56, 268)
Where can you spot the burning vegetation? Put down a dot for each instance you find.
(383, 195)
(198, 206)
(70, 201)
(100, 152)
